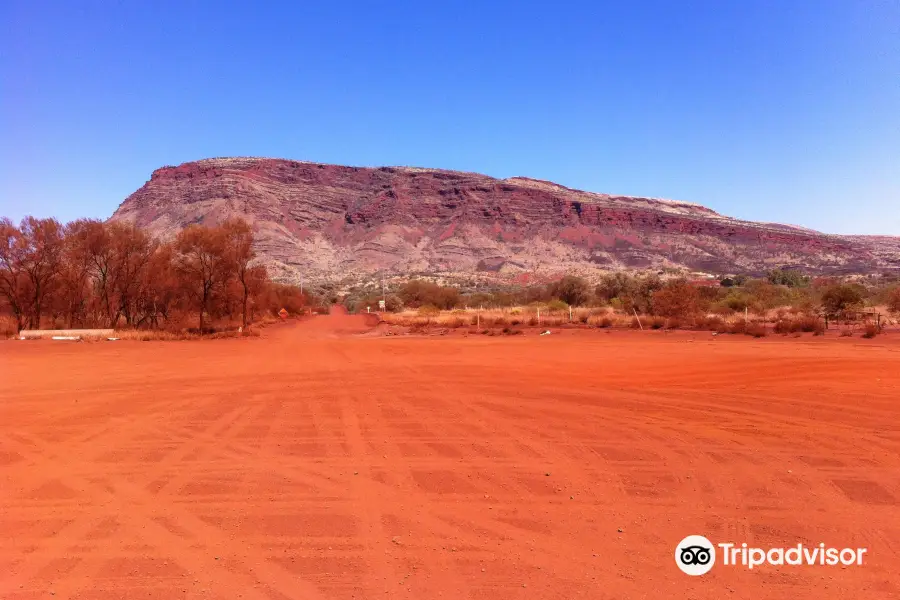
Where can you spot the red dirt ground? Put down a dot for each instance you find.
(312, 463)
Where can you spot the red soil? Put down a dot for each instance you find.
(310, 463)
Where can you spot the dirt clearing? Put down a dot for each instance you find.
(312, 463)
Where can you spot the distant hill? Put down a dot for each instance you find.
(332, 222)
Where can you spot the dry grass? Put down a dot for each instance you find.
(500, 317)
(786, 322)
(524, 316)
(799, 323)
(169, 336)
(8, 327)
(711, 323)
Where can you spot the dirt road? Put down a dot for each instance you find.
(313, 463)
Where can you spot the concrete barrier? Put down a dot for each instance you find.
(64, 333)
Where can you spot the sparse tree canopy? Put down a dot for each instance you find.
(893, 300)
(631, 292)
(840, 298)
(202, 262)
(418, 293)
(572, 290)
(14, 284)
(238, 241)
(91, 273)
(677, 299)
(38, 252)
(788, 277)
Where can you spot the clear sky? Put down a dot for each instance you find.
(782, 110)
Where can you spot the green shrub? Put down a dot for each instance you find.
(417, 293)
(557, 306)
(893, 300)
(841, 297)
(571, 290)
(787, 277)
(676, 299)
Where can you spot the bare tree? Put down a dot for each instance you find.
(158, 290)
(95, 272)
(43, 241)
(256, 279)
(75, 271)
(14, 284)
(102, 267)
(201, 265)
(132, 251)
(239, 254)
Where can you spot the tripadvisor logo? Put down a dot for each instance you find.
(696, 555)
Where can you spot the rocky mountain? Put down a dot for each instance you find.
(332, 222)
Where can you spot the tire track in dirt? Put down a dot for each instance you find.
(131, 499)
(251, 459)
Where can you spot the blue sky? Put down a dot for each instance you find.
(783, 111)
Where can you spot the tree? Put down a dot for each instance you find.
(676, 299)
(840, 298)
(634, 292)
(94, 272)
(42, 241)
(893, 300)
(639, 295)
(572, 290)
(13, 280)
(202, 265)
(158, 290)
(131, 252)
(256, 281)
(613, 285)
(418, 293)
(102, 268)
(787, 277)
(239, 253)
(75, 271)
